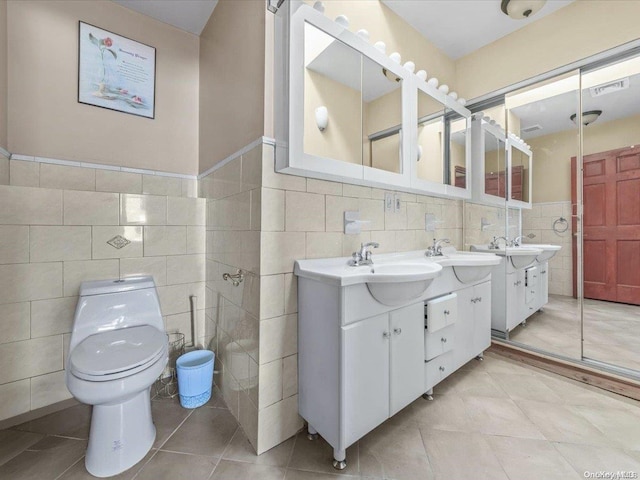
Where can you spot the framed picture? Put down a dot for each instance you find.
(116, 72)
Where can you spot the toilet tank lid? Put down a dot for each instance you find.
(101, 287)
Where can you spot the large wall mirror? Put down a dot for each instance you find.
(358, 116)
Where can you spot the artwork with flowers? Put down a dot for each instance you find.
(116, 72)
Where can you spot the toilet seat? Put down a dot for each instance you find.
(117, 353)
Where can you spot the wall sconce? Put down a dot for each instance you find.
(587, 117)
(521, 9)
(322, 118)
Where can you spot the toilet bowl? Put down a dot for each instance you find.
(118, 349)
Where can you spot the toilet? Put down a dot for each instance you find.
(118, 349)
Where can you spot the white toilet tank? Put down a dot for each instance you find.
(112, 304)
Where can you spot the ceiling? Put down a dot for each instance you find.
(553, 113)
(458, 27)
(189, 15)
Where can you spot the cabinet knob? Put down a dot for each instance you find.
(473, 300)
(543, 271)
(441, 368)
(397, 331)
(446, 312)
(443, 340)
(479, 299)
(386, 334)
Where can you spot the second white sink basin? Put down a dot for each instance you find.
(469, 267)
(548, 251)
(520, 257)
(398, 283)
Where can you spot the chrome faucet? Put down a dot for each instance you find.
(435, 250)
(494, 243)
(363, 257)
(517, 241)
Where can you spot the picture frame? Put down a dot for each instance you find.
(115, 72)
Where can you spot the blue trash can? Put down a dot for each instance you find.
(195, 377)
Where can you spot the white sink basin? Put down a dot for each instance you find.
(392, 279)
(548, 251)
(469, 267)
(398, 283)
(520, 257)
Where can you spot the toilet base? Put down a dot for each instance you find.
(121, 435)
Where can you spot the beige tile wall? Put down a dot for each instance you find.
(303, 218)
(233, 197)
(496, 224)
(539, 221)
(54, 224)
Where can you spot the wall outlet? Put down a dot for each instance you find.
(388, 202)
(396, 202)
(430, 222)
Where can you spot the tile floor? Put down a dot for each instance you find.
(490, 420)
(611, 330)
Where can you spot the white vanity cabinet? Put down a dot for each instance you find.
(473, 327)
(361, 360)
(383, 359)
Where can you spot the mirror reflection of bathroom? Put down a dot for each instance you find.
(332, 98)
(611, 220)
(548, 315)
(598, 265)
(348, 97)
(381, 117)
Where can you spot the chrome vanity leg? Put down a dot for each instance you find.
(312, 434)
(339, 459)
(480, 357)
(524, 323)
(428, 395)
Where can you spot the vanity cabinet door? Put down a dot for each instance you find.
(406, 356)
(543, 285)
(464, 327)
(516, 307)
(366, 375)
(482, 314)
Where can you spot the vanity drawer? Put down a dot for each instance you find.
(440, 312)
(437, 369)
(437, 343)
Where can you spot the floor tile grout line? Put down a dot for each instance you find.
(553, 445)
(293, 448)
(223, 452)
(145, 464)
(174, 430)
(70, 467)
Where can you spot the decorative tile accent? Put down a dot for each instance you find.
(118, 242)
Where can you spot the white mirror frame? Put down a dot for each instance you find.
(434, 188)
(513, 142)
(478, 129)
(297, 162)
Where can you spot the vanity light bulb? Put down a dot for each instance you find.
(462, 101)
(422, 75)
(454, 95)
(487, 118)
(395, 56)
(319, 6)
(343, 21)
(363, 34)
(322, 118)
(433, 81)
(492, 122)
(410, 66)
(444, 88)
(381, 46)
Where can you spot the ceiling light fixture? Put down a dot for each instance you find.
(521, 9)
(587, 117)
